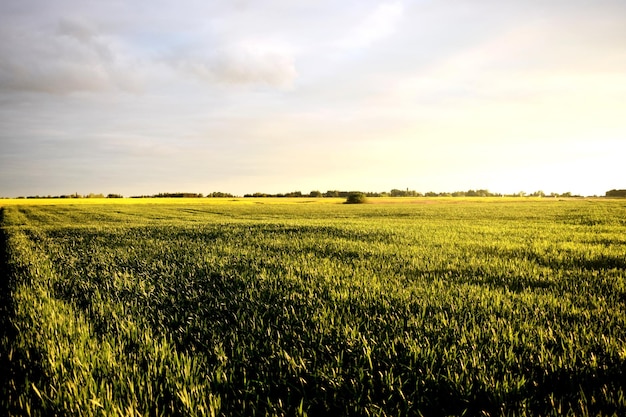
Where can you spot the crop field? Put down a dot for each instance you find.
(312, 307)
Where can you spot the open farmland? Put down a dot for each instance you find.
(440, 307)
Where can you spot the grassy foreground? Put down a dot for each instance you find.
(475, 307)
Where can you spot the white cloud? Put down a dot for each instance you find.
(379, 24)
(77, 28)
(73, 57)
(252, 62)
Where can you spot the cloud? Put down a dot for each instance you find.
(77, 29)
(72, 57)
(566, 59)
(244, 63)
(378, 24)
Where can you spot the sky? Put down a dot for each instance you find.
(241, 96)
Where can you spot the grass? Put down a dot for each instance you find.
(8, 202)
(273, 307)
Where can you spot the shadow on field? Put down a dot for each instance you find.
(7, 329)
(597, 391)
(13, 377)
(6, 299)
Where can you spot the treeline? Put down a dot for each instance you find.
(412, 193)
(336, 194)
(486, 193)
(315, 194)
(216, 194)
(171, 195)
(75, 195)
(616, 193)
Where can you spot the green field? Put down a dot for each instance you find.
(294, 307)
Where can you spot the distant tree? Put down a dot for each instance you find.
(404, 193)
(336, 193)
(114, 196)
(616, 193)
(356, 198)
(315, 194)
(178, 195)
(218, 194)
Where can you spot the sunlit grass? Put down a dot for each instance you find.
(275, 307)
(9, 202)
(155, 201)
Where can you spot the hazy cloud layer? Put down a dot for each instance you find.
(250, 62)
(70, 56)
(377, 24)
(141, 97)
